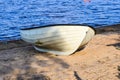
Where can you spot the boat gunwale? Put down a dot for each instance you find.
(53, 25)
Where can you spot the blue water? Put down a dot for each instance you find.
(17, 14)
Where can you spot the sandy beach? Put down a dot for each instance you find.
(99, 60)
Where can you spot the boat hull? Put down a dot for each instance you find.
(60, 39)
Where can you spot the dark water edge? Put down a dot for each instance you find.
(17, 14)
(111, 28)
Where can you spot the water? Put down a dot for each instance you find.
(17, 14)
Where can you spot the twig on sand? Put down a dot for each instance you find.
(118, 72)
(118, 68)
(77, 76)
(117, 47)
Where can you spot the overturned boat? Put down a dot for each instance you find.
(58, 39)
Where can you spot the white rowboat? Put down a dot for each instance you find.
(58, 39)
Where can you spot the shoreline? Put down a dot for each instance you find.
(21, 43)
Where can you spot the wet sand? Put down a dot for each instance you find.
(99, 60)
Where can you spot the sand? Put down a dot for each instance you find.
(99, 60)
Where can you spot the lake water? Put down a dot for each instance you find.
(17, 14)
